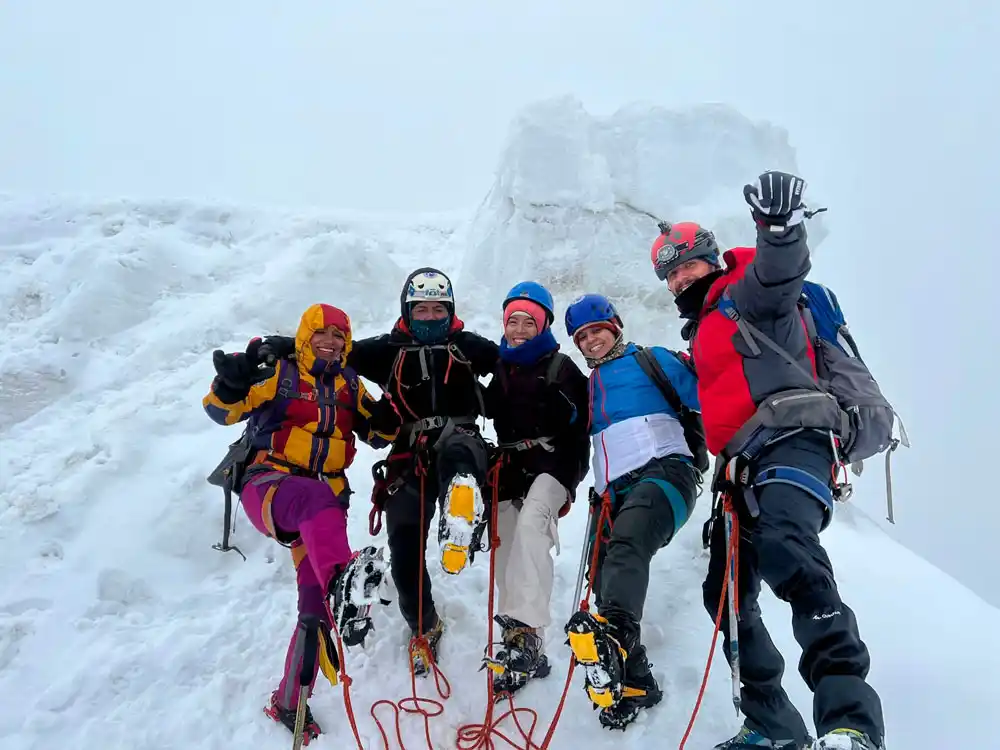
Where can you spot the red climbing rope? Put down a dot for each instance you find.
(603, 518)
(344, 678)
(732, 558)
(484, 735)
(428, 708)
(481, 735)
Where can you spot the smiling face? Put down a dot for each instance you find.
(686, 274)
(328, 343)
(520, 328)
(429, 311)
(594, 341)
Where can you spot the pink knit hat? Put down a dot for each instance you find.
(526, 307)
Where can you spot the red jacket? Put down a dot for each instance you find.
(762, 285)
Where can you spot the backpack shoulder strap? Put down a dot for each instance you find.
(551, 371)
(752, 333)
(502, 377)
(555, 365)
(649, 364)
(477, 387)
(810, 323)
(288, 380)
(694, 431)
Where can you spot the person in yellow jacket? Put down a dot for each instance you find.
(305, 412)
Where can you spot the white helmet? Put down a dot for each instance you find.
(428, 285)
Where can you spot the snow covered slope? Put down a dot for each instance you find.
(121, 627)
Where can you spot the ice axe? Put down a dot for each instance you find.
(584, 556)
(732, 545)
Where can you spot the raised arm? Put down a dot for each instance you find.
(772, 283)
(241, 385)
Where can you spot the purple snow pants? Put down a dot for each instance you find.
(309, 508)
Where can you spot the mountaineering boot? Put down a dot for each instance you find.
(748, 739)
(521, 658)
(601, 656)
(286, 716)
(639, 691)
(845, 739)
(461, 522)
(354, 591)
(419, 656)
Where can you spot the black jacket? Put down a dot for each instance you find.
(522, 406)
(427, 381)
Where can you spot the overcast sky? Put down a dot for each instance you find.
(397, 105)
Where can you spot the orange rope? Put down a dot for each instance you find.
(425, 707)
(732, 559)
(475, 736)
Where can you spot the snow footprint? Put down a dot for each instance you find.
(16, 624)
(117, 593)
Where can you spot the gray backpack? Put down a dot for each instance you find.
(849, 397)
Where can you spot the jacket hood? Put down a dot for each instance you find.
(316, 318)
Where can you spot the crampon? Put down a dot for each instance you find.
(355, 590)
(461, 523)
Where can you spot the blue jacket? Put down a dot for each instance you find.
(620, 390)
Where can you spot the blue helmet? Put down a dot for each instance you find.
(590, 308)
(534, 292)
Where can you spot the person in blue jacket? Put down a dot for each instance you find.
(643, 463)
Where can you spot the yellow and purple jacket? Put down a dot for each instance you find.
(304, 418)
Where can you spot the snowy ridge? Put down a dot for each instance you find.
(121, 627)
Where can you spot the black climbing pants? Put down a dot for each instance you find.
(782, 548)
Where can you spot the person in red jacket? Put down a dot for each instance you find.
(776, 436)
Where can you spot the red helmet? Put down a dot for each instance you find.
(679, 243)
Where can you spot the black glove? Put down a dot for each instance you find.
(237, 373)
(385, 418)
(277, 347)
(775, 200)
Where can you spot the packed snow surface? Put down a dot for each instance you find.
(121, 627)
